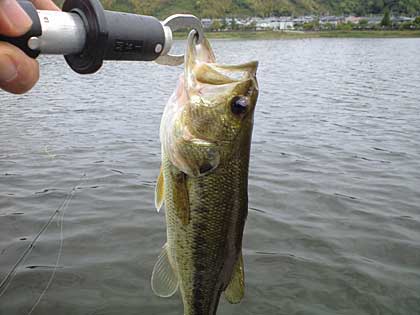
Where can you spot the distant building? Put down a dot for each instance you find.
(401, 19)
(303, 20)
(206, 23)
(275, 23)
(353, 19)
(373, 19)
(334, 20)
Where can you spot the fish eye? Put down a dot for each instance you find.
(239, 105)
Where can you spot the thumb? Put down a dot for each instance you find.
(18, 72)
(13, 19)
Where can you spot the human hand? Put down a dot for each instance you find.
(18, 72)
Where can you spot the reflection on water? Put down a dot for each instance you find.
(334, 224)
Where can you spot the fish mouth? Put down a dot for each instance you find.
(201, 66)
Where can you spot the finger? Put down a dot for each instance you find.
(18, 72)
(45, 5)
(13, 19)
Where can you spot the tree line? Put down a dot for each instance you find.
(263, 8)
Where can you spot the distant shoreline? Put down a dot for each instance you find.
(311, 34)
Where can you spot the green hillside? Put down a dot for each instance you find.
(220, 8)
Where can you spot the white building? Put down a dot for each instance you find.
(273, 23)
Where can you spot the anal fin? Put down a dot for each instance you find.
(236, 289)
(164, 280)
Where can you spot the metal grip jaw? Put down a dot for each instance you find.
(174, 23)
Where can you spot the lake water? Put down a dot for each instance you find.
(334, 222)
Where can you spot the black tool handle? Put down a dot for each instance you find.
(133, 37)
(36, 30)
(114, 36)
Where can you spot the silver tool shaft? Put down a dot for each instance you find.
(62, 34)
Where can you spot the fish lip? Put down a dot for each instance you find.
(249, 67)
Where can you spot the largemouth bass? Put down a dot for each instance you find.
(206, 134)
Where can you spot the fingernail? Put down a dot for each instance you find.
(8, 70)
(16, 16)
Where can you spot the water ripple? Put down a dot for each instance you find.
(334, 220)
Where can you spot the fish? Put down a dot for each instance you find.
(205, 134)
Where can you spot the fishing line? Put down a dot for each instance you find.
(60, 251)
(5, 283)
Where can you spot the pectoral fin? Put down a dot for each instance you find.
(164, 280)
(180, 196)
(159, 191)
(236, 289)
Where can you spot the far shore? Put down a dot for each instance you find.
(311, 34)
